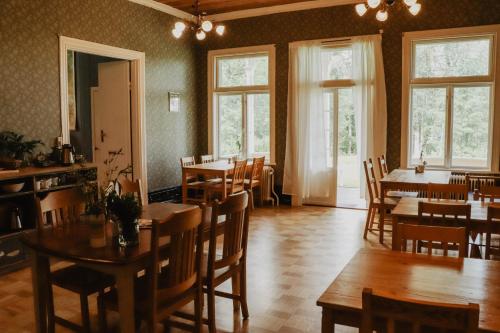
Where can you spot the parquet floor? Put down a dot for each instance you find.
(294, 254)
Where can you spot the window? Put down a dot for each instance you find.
(241, 99)
(448, 99)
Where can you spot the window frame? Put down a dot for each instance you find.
(213, 90)
(410, 40)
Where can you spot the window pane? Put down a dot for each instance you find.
(452, 58)
(428, 121)
(259, 125)
(230, 125)
(471, 118)
(348, 165)
(328, 123)
(336, 63)
(243, 71)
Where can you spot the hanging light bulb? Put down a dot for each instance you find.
(382, 15)
(373, 3)
(200, 34)
(207, 26)
(220, 29)
(361, 9)
(415, 9)
(177, 33)
(180, 26)
(410, 3)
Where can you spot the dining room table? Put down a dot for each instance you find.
(412, 276)
(72, 244)
(408, 180)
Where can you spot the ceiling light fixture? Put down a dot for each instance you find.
(382, 13)
(200, 25)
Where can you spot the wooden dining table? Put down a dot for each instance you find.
(407, 180)
(71, 244)
(414, 276)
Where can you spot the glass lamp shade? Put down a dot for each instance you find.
(382, 15)
(415, 9)
(373, 3)
(410, 3)
(220, 29)
(361, 9)
(177, 33)
(201, 35)
(207, 26)
(180, 26)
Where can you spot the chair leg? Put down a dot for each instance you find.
(101, 312)
(84, 308)
(211, 309)
(51, 322)
(235, 282)
(252, 205)
(368, 220)
(198, 310)
(243, 291)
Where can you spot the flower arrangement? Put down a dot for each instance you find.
(15, 150)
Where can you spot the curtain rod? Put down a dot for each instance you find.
(339, 39)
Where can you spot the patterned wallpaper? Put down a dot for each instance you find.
(29, 71)
(280, 29)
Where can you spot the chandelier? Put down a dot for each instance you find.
(382, 15)
(200, 25)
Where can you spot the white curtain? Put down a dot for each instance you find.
(369, 99)
(307, 176)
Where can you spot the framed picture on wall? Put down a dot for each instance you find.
(174, 102)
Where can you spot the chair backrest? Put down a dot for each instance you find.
(60, 208)
(188, 161)
(371, 180)
(128, 186)
(417, 316)
(257, 167)
(491, 192)
(235, 210)
(382, 166)
(431, 234)
(238, 177)
(444, 210)
(207, 159)
(448, 191)
(184, 255)
(493, 217)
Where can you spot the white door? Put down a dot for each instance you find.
(111, 115)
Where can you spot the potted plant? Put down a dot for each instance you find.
(15, 150)
(125, 210)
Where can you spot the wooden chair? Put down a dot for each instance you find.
(135, 187)
(493, 229)
(407, 315)
(431, 234)
(231, 263)
(445, 215)
(207, 159)
(491, 192)
(194, 184)
(382, 166)
(163, 290)
(59, 209)
(255, 180)
(457, 192)
(374, 203)
(384, 171)
(235, 184)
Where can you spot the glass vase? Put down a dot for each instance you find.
(128, 233)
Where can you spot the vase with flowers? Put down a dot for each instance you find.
(125, 210)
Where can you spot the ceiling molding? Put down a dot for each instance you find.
(165, 9)
(279, 9)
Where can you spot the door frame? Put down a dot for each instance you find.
(138, 96)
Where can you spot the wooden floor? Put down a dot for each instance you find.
(294, 254)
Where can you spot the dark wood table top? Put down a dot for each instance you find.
(409, 176)
(418, 276)
(73, 242)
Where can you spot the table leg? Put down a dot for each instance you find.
(184, 186)
(40, 271)
(395, 221)
(327, 321)
(125, 286)
(224, 187)
(382, 214)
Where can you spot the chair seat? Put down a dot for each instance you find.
(388, 202)
(81, 280)
(218, 272)
(401, 194)
(196, 184)
(252, 182)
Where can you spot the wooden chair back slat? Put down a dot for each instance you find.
(257, 167)
(60, 208)
(431, 234)
(235, 210)
(185, 231)
(382, 166)
(492, 219)
(458, 192)
(129, 186)
(445, 211)
(417, 316)
(188, 161)
(238, 177)
(207, 159)
(371, 180)
(491, 192)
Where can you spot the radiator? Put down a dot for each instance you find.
(267, 188)
(476, 180)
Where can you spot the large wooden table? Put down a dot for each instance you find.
(72, 244)
(415, 276)
(410, 181)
